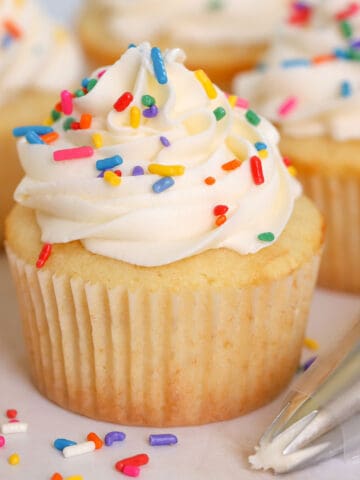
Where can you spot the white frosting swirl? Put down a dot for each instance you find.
(316, 86)
(132, 223)
(41, 56)
(182, 21)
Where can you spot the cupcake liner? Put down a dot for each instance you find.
(339, 201)
(161, 358)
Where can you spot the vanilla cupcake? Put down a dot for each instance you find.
(309, 85)
(37, 58)
(221, 36)
(177, 255)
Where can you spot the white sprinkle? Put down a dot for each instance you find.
(78, 449)
(15, 427)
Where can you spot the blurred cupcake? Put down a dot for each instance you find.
(309, 85)
(175, 284)
(221, 36)
(37, 58)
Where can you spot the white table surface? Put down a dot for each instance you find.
(213, 452)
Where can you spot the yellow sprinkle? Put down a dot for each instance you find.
(311, 344)
(135, 116)
(112, 178)
(292, 170)
(14, 459)
(48, 121)
(166, 170)
(206, 83)
(74, 477)
(61, 35)
(263, 154)
(97, 140)
(232, 100)
(19, 3)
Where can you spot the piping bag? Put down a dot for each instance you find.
(321, 414)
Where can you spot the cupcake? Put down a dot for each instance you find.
(37, 58)
(221, 36)
(309, 86)
(163, 255)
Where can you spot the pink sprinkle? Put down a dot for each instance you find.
(14, 420)
(2, 441)
(131, 470)
(73, 153)
(287, 106)
(242, 103)
(100, 74)
(66, 102)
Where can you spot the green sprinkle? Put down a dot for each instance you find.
(219, 113)
(215, 4)
(79, 93)
(91, 84)
(266, 237)
(67, 123)
(346, 29)
(252, 118)
(354, 54)
(148, 100)
(55, 115)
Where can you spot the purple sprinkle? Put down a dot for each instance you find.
(112, 437)
(308, 363)
(165, 141)
(101, 175)
(137, 171)
(355, 44)
(151, 112)
(162, 439)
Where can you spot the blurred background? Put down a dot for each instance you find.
(64, 10)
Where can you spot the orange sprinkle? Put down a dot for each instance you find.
(50, 137)
(92, 437)
(323, 58)
(221, 219)
(57, 476)
(232, 165)
(85, 121)
(209, 180)
(58, 107)
(13, 29)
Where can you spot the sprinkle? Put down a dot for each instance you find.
(159, 66)
(252, 117)
(131, 470)
(101, 73)
(311, 344)
(220, 210)
(2, 441)
(112, 437)
(97, 140)
(151, 112)
(345, 89)
(38, 129)
(18, 427)
(242, 103)
(85, 121)
(219, 113)
(346, 29)
(287, 106)
(287, 161)
(165, 141)
(96, 439)
(354, 54)
(306, 365)
(6, 41)
(44, 255)
(50, 137)
(215, 4)
(340, 53)
(33, 138)
(79, 93)
(348, 12)
(131, 45)
(84, 82)
(66, 102)
(56, 476)
(73, 153)
(118, 173)
(75, 126)
(295, 62)
(232, 165)
(11, 413)
(61, 443)
(67, 123)
(209, 180)
(148, 100)
(163, 184)
(14, 459)
(260, 146)
(74, 477)
(48, 122)
(55, 115)
(166, 170)
(137, 170)
(91, 84)
(123, 102)
(137, 460)
(111, 178)
(78, 449)
(135, 117)
(232, 100)
(266, 237)
(162, 439)
(292, 170)
(221, 219)
(319, 59)
(206, 83)
(12, 28)
(256, 170)
(109, 162)
(263, 154)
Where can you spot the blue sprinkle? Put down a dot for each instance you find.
(159, 66)
(110, 162)
(84, 82)
(39, 129)
(61, 443)
(163, 184)
(34, 138)
(137, 171)
(260, 146)
(340, 53)
(261, 66)
(151, 112)
(346, 89)
(165, 141)
(131, 45)
(295, 62)
(6, 41)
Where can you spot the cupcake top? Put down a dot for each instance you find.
(309, 82)
(151, 163)
(34, 52)
(204, 22)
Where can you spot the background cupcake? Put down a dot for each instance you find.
(37, 58)
(221, 36)
(178, 286)
(310, 86)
